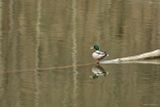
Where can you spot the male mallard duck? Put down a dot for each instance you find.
(97, 54)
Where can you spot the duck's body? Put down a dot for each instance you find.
(97, 54)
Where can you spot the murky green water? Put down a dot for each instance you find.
(45, 56)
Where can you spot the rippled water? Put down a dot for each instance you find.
(45, 56)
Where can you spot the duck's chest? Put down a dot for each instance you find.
(95, 55)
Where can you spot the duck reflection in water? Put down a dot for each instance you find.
(98, 71)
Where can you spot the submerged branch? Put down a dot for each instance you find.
(141, 58)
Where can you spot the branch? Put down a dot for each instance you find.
(141, 58)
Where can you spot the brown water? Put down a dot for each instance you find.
(45, 56)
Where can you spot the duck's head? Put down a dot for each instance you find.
(96, 47)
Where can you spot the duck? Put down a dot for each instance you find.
(98, 55)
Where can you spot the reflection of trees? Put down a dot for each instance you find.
(36, 72)
(39, 34)
(1, 62)
(74, 52)
(18, 53)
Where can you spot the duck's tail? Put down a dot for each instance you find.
(106, 54)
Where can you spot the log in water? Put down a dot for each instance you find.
(148, 57)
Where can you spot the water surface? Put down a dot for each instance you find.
(45, 56)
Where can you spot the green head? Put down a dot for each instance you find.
(96, 47)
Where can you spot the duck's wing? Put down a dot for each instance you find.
(100, 54)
